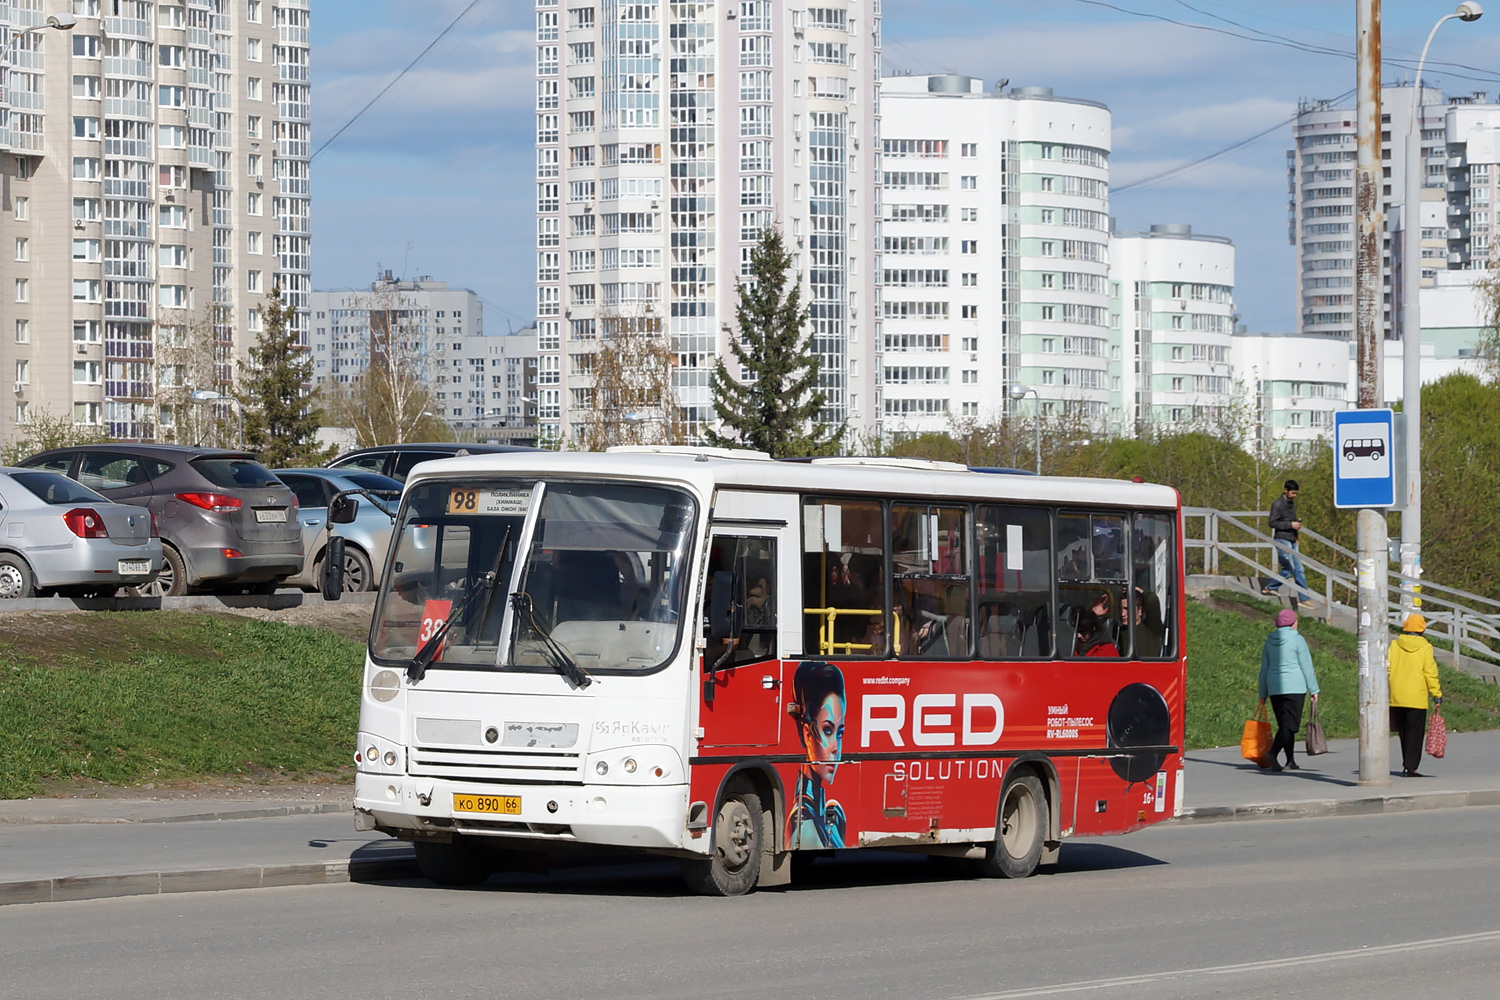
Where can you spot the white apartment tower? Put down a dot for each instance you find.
(995, 240)
(155, 163)
(669, 134)
(1174, 298)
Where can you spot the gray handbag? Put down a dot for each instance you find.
(1316, 742)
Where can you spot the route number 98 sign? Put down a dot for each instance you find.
(488, 502)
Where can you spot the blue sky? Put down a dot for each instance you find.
(436, 178)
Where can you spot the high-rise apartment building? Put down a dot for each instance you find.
(155, 163)
(1173, 296)
(670, 133)
(995, 251)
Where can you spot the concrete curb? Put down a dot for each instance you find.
(1371, 805)
(280, 601)
(255, 812)
(72, 888)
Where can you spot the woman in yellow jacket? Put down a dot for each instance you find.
(1413, 677)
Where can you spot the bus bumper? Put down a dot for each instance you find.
(648, 817)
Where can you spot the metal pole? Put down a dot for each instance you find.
(1411, 340)
(1038, 432)
(1374, 721)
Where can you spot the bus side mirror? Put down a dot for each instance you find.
(343, 509)
(726, 613)
(333, 569)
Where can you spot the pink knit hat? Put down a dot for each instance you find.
(1285, 617)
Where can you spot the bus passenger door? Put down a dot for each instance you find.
(740, 680)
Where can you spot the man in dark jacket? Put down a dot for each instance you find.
(1285, 529)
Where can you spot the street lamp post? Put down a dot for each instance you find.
(61, 22)
(210, 396)
(1411, 327)
(1019, 392)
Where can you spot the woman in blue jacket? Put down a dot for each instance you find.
(1286, 675)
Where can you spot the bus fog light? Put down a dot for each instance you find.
(629, 765)
(391, 793)
(390, 758)
(596, 805)
(601, 768)
(371, 754)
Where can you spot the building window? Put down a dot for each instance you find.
(1176, 352)
(170, 55)
(969, 312)
(969, 247)
(252, 49)
(85, 168)
(1177, 384)
(252, 88)
(171, 217)
(23, 331)
(253, 242)
(171, 255)
(252, 165)
(1049, 345)
(23, 209)
(87, 373)
(252, 126)
(23, 248)
(1177, 322)
(86, 331)
(86, 250)
(23, 290)
(253, 203)
(86, 87)
(172, 296)
(85, 209)
(86, 46)
(252, 281)
(252, 11)
(971, 344)
(23, 371)
(969, 150)
(968, 182)
(1049, 248)
(171, 136)
(968, 214)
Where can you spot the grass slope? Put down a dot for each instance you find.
(1225, 636)
(162, 696)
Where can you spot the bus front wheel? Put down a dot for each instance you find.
(733, 865)
(459, 863)
(1021, 833)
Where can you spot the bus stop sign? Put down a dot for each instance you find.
(1363, 470)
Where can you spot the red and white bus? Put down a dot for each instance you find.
(729, 660)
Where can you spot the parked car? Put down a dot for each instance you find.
(366, 540)
(57, 535)
(225, 520)
(396, 460)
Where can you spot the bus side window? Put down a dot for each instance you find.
(1154, 586)
(1014, 556)
(752, 561)
(1091, 586)
(930, 582)
(843, 571)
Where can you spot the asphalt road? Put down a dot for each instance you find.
(1371, 907)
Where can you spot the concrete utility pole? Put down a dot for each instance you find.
(1374, 709)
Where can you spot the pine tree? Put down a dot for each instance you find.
(776, 409)
(281, 422)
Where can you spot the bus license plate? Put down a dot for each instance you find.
(503, 805)
(276, 516)
(134, 567)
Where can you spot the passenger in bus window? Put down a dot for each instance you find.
(814, 820)
(1150, 630)
(1092, 637)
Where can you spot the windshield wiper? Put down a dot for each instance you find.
(553, 652)
(417, 669)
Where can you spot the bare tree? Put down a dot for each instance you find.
(43, 430)
(196, 355)
(632, 400)
(392, 401)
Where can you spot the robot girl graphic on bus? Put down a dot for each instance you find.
(815, 820)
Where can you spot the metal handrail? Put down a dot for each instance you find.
(1463, 626)
(1396, 577)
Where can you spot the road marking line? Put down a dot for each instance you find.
(1226, 970)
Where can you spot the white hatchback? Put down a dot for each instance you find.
(57, 535)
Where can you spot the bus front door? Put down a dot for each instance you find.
(740, 678)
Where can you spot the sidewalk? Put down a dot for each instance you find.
(69, 849)
(1220, 785)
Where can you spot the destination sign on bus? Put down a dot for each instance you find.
(488, 502)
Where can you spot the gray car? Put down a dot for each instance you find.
(366, 540)
(225, 521)
(57, 535)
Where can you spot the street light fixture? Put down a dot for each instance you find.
(1019, 392)
(62, 22)
(1411, 323)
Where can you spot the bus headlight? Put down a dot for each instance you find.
(385, 685)
(601, 768)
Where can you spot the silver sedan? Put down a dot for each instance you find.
(59, 535)
(366, 541)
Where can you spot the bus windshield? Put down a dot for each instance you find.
(604, 576)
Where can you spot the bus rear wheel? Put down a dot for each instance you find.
(733, 865)
(1021, 833)
(459, 863)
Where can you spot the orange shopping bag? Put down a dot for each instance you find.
(1255, 744)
